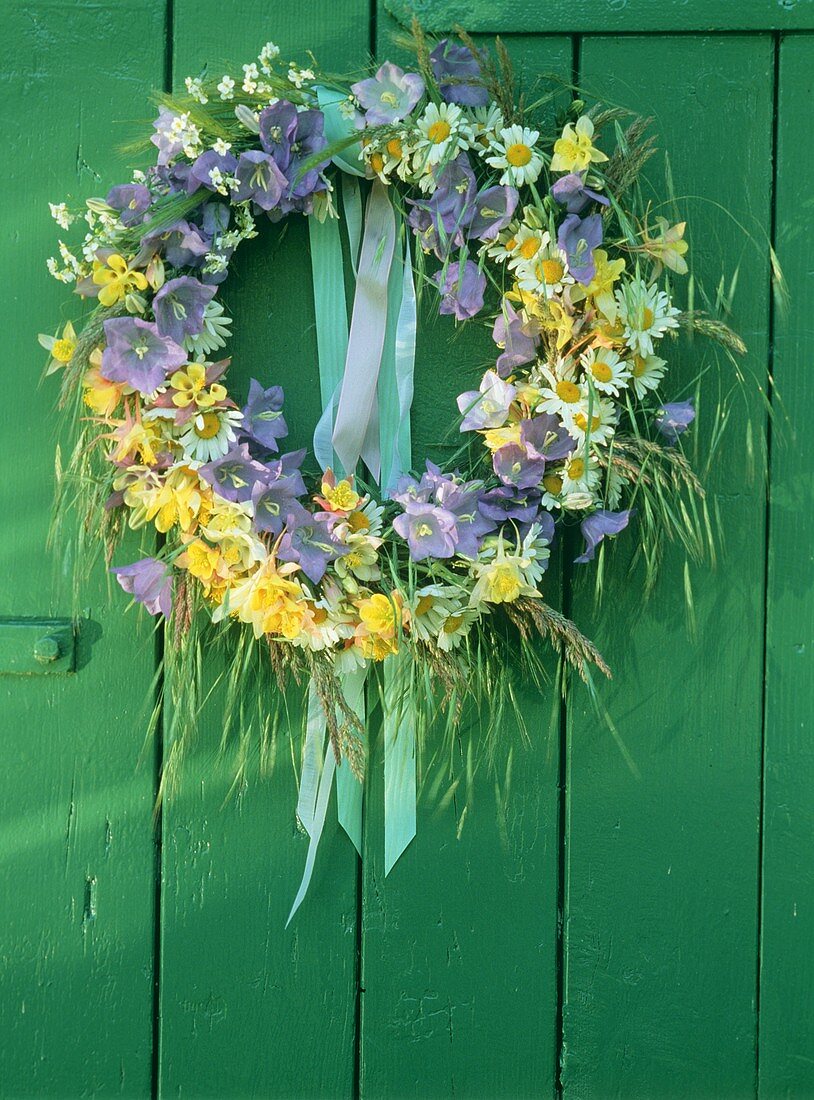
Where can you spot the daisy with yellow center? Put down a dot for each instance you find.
(210, 434)
(116, 279)
(516, 154)
(575, 150)
(443, 131)
(646, 373)
(646, 314)
(546, 274)
(608, 373)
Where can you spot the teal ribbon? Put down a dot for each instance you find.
(399, 759)
(348, 787)
(398, 367)
(356, 432)
(330, 310)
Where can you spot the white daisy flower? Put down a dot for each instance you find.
(455, 628)
(603, 417)
(579, 478)
(547, 274)
(443, 130)
(431, 606)
(560, 395)
(516, 155)
(646, 314)
(646, 373)
(524, 245)
(608, 372)
(214, 334)
(208, 435)
(486, 122)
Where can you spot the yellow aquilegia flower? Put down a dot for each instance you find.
(376, 634)
(269, 600)
(100, 394)
(338, 496)
(61, 347)
(116, 279)
(191, 388)
(601, 286)
(178, 498)
(575, 150)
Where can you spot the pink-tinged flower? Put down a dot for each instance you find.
(578, 237)
(459, 74)
(138, 355)
(149, 582)
(518, 338)
(487, 407)
(462, 289)
(388, 96)
(571, 192)
(596, 527)
(259, 179)
(179, 307)
(674, 418)
(430, 531)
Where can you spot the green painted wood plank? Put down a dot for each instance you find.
(787, 968)
(661, 898)
(77, 868)
(247, 1007)
(459, 941)
(600, 16)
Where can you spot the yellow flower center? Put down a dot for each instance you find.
(639, 366)
(358, 521)
(601, 371)
(581, 422)
(63, 350)
(553, 484)
(439, 131)
(425, 604)
(343, 497)
(452, 623)
(518, 155)
(377, 162)
(568, 392)
(648, 317)
(319, 615)
(576, 468)
(528, 249)
(504, 585)
(511, 244)
(394, 148)
(552, 271)
(207, 425)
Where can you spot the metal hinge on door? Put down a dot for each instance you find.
(37, 647)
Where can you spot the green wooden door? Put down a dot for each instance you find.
(579, 928)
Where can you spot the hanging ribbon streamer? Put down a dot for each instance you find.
(397, 370)
(353, 437)
(399, 760)
(330, 310)
(348, 787)
(315, 734)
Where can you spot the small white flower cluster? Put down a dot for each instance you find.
(71, 268)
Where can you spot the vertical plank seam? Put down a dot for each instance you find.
(160, 701)
(777, 38)
(562, 779)
(358, 1018)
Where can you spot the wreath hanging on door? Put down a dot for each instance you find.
(382, 559)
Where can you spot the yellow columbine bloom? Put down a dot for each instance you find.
(503, 582)
(116, 279)
(341, 497)
(200, 560)
(494, 438)
(190, 384)
(600, 287)
(668, 247)
(272, 603)
(376, 635)
(101, 395)
(180, 498)
(575, 150)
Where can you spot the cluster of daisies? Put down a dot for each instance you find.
(579, 323)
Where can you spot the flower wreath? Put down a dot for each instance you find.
(426, 573)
